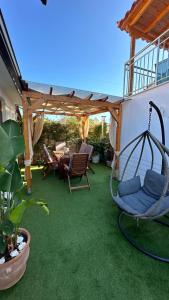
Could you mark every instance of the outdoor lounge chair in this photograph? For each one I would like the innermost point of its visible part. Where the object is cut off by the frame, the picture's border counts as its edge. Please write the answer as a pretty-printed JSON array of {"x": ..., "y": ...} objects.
[
  {"x": 147, "y": 201},
  {"x": 50, "y": 163},
  {"x": 77, "y": 168}
]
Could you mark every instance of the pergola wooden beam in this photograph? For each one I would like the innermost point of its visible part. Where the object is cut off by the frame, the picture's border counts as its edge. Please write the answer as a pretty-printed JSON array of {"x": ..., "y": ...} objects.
[
  {"x": 41, "y": 99},
  {"x": 27, "y": 147}
]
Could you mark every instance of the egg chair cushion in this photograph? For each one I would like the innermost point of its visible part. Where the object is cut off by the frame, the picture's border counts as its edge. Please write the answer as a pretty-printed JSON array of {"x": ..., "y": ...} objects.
[
  {"x": 137, "y": 203},
  {"x": 129, "y": 186},
  {"x": 153, "y": 184}
]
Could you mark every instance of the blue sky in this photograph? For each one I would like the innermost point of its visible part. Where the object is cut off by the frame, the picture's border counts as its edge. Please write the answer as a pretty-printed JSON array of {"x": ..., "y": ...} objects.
[{"x": 70, "y": 43}]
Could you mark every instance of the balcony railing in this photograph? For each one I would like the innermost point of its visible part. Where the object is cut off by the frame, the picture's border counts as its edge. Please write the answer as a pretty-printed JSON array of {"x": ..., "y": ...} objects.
[{"x": 148, "y": 68}]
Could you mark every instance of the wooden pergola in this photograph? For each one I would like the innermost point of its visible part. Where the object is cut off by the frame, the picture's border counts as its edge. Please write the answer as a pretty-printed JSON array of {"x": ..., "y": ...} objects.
[
  {"x": 147, "y": 19},
  {"x": 69, "y": 104}
]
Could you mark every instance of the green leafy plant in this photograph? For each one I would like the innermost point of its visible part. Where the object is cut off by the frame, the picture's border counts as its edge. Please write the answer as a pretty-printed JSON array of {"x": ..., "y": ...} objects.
[{"x": 12, "y": 206}]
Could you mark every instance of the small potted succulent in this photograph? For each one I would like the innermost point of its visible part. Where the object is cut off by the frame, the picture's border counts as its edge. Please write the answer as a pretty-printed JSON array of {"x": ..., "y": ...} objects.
[{"x": 14, "y": 241}]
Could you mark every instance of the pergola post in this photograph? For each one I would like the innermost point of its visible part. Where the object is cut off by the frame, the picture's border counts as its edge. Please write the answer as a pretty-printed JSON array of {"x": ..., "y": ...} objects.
[
  {"x": 118, "y": 129},
  {"x": 27, "y": 156},
  {"x": 117, "y": 116},
  {"x": 131, "y": 67}
]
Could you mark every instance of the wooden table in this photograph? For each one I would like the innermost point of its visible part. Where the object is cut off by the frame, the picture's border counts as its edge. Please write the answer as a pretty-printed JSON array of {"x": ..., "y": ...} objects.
[{"x": 62, "y": 160}]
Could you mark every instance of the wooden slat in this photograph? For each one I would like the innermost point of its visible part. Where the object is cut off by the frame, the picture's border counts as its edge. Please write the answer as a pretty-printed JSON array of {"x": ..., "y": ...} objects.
[
  {"x": 145, "y": 19},
  {"x": 157, "y": 19},
  {"x": 140, "y": 12}
]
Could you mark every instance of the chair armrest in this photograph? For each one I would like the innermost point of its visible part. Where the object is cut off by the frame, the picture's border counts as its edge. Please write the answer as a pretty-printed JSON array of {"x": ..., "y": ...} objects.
[
  {"x": 129, "y": 187},
  {"x": 66, "y": 167}
]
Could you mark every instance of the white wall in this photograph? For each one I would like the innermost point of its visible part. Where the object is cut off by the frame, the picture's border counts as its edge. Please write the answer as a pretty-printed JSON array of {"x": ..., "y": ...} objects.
[
  {"x": 8, "y": 93},
  {"x": 135, "y": 120}
]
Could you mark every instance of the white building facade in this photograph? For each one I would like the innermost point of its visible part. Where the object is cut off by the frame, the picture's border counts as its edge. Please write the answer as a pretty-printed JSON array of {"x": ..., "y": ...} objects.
[{"x": 10, "y": 84}]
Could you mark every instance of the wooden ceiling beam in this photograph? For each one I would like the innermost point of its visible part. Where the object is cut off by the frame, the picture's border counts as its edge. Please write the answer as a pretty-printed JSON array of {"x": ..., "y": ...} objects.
[
  {"x": 136, "y": 33},
  {"x": 157, "y": 19},
  {"x": 131, "y": 17},
  {"x": 140, "y": 12}
]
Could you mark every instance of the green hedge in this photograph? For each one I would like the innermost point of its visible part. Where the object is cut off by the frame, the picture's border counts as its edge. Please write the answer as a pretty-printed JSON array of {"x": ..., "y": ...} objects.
[{"x": 67, "y": 129}]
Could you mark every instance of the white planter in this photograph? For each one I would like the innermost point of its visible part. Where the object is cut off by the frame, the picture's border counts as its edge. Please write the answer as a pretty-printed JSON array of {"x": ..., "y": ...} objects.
[{"x": 96, "y": 159}]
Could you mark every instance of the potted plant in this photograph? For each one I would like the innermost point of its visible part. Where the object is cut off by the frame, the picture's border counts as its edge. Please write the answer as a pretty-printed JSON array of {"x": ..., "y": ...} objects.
[
  {"x": 95, "y": 157},
  {"x": 14, "y": 241}
]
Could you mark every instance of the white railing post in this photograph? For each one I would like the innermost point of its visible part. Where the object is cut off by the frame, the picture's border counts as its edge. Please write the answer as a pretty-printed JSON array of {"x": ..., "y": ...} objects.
[
  {"x": 157, "y": 62},
  {"x": 124, "y": 81},
  {"x": 141, "y": 71}
]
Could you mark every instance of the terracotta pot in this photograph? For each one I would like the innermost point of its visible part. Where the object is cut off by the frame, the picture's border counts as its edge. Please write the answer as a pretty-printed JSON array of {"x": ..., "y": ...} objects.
[{"x": 12, "y": 271}]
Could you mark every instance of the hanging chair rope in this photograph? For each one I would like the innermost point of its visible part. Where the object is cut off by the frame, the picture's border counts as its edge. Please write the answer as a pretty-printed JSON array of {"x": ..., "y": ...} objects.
[
  {"x": 134, "y": 148},
  {"x": 141, "y": 153}
]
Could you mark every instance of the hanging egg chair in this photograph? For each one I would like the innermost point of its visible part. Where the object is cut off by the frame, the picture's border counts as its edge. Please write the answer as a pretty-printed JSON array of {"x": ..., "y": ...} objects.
[{"x": 148, "y": 200}]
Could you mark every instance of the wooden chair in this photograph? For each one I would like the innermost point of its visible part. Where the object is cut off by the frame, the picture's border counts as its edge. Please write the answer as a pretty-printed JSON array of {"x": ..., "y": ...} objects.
[
  {"x": 77, "y": 168},
  {"x": 50, "y": 163},
  {"x": 86, "y": 148}
]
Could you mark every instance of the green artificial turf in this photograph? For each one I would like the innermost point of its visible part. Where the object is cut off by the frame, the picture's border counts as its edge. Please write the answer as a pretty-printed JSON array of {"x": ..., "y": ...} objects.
[{"x": 78, "y": 253}]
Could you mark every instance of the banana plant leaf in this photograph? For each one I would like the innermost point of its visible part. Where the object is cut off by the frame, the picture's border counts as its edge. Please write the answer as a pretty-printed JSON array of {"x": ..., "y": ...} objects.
[
  {"x": 16, "y": 139},
  {"x": 16, "y": 214},
  {"x": 6, "y": 149},
  {"x": 11, "y": 180}
]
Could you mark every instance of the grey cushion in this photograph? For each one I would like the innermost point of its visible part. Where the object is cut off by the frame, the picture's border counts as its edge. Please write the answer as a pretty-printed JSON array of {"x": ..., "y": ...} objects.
[
  {"x": 153, "y": 184},
  {"x": 129, "y": 187},
  {"x": 159, "y": 207},
  {"x": 137, "y": 203}
]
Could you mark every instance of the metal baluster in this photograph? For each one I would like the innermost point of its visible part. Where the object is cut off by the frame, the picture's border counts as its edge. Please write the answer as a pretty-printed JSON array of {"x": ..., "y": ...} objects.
[
  {"x": 152, "y": 65},
  {"x": 157, "y": 61},
  {"x": 148, "y": 68},
  {"x": 144, "y": 61},
  {"x": 136, "y": 76}
]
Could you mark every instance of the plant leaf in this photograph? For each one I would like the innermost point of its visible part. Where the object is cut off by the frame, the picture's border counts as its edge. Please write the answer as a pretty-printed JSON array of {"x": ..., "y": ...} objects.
[
  {"x": 12, "y": 129},
  {"x": 2, "y": 244},
  {"x": 7, "y": 227},
  {"x": 11, "y": 180},
  {"x": 6, "y": 150},
  {"x": 16, "y": 213},
  {"x": 18, "y": 145}
]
